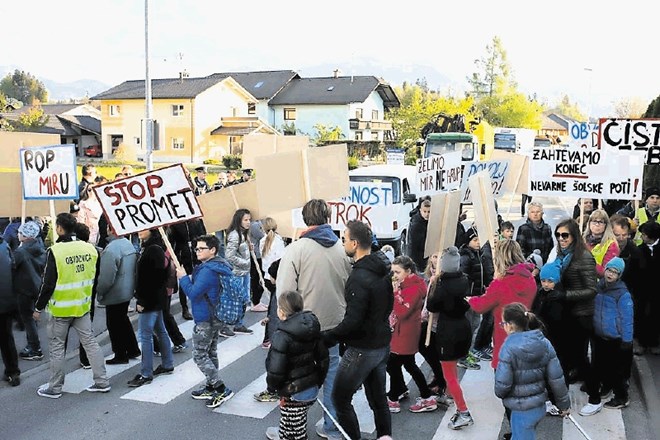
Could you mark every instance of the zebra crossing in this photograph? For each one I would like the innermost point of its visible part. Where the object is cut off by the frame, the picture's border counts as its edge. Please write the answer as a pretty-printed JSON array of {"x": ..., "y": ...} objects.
[{"x": 477, "y": 385}]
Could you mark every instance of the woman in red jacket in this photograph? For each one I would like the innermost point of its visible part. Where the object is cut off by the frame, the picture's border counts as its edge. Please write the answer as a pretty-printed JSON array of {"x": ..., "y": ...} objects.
[
  {"x": 513, "y": 282},
  {"x": 406, "y": 323}
]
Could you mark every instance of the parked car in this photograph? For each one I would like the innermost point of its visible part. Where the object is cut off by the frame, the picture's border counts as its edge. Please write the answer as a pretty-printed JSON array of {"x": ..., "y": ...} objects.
[{"x": 94, "y": 151}]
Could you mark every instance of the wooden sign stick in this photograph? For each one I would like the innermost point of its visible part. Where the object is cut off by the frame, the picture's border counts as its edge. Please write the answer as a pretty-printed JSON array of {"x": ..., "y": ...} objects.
[
  {"x": 23, "y": 202},
  {"x": 581, "y": 213},
  {"x": 51, "y": 206},
  {"x": 168, "y": 245}
]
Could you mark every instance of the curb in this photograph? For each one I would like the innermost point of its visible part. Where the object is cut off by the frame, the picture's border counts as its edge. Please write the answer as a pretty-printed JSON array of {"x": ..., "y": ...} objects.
[
  {"x": 102, "y": 338},
  {"x": 644, "y": 377}
]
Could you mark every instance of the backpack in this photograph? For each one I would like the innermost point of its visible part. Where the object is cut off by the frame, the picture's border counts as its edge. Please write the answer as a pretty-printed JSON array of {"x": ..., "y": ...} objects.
[
  {"x": 171, "y": 282},
  {"x": 231, "y": 306}
]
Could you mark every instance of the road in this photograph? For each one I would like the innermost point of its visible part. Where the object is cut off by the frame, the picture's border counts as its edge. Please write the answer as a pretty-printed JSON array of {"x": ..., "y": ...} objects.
[{"x": 164, "y": 409}]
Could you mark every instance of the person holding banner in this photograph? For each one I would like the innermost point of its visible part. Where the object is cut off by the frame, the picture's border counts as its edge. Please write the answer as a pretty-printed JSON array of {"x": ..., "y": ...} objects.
[
  {"x": 417, "y": 233},
  {"x": 70, "y": 262},
  {"x": 600, "y": 240},
  {"x": 238, "y": 253}
]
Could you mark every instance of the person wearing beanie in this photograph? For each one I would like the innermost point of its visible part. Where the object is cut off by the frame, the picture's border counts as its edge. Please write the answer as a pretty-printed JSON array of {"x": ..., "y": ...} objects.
[
  {"x": 612, "y": 342},
  {"x": 29, "y": 263},
  {"x": 453, "y": 333}
]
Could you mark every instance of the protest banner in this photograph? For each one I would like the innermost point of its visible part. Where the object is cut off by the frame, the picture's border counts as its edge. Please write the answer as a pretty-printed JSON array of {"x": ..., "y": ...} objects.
[
  {"x": 256, "y": 145},
  {"x": 12, "y": 141},
  {"x": 395, "y": 156},
  {"x": 516, "y": 179},
  {"x": 49, "y": 172},
  {"x": 635, "y": 136},
  {"x": 443, "y": 220},
  {"x": 485, "y": 214},
  {"x": 219, "y": 206},
  {"x": 289, "y": 180},
  {"x": 582, "y": 135},
  {"x": 498, "y": 171},
  {"x": 596, "y": 173},
  {"x": 12, "y": 202},
  {"x": 148, "y": 200},
  {"x": 439, "y": 173}
]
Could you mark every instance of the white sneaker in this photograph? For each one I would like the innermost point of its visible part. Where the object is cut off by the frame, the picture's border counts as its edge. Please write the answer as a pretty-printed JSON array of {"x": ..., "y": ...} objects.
[
  {"x": 273, "y": 433},
  {"x": 591, "y": 408}
]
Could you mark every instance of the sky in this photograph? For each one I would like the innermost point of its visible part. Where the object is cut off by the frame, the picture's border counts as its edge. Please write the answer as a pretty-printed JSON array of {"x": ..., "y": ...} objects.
[{"x": 550, "y": 45}]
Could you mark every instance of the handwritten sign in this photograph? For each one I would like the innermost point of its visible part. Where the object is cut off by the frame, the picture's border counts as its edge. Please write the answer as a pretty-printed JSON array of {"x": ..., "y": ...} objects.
[
  {"x": 148, "y": 200},
  {"x": 595, "y": 173},
  {"x": 636, "y": 136},
  {"x": 497, "y": 170},
  {"x": 582, "y": 135},
  {"x": 49, "y": 172},
  {"x": 439, "y": 173}
]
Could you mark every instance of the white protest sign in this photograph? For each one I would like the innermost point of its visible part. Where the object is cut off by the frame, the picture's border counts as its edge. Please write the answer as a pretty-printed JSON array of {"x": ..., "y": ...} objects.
[
  {"x": 582, "y": 135},
  {"x": 594, "y": 173},
  {"x": 439, "y": 173},
  {"x": 395, "y": 156},
  {"x": 635, "y": 136},
  {"x": 148, "y": 200},
  {"x": 497, "y": 169},
  {"x": 49, "y": 172}
]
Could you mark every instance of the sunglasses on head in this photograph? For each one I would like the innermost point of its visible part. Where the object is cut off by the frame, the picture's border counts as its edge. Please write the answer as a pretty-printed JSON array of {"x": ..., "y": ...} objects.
[{"x": 563, "y": 235}]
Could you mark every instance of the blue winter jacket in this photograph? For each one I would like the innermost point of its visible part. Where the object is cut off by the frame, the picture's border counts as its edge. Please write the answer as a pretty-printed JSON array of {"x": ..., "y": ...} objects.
[
  {"x": 204, "y": 287},
  {"x": 613, "y": 311},
  {"x": 527, "y": 363}
]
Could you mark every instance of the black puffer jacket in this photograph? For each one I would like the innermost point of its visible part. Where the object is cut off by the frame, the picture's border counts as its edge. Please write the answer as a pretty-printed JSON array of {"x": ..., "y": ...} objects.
[
  {"x": 417, "y": 240},
  {"x": 453, "y": 334},
  {"x": 297, "y": 359},
  {"x": 151, "y": 275},
  {"x": 478, "y": 266},
  {"x": 579, "y": 281},
  {"x": 30, "y": 258}
]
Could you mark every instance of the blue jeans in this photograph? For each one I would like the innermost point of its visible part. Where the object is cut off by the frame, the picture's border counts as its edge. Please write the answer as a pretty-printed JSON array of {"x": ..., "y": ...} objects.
[
  {"x": 523, "y": 423},
  {"x": 328, "y": 386},
  {"x": 246, "y": 298},
  {"x": 362, "y": 366},
  {"x": 148, "y": 324}
]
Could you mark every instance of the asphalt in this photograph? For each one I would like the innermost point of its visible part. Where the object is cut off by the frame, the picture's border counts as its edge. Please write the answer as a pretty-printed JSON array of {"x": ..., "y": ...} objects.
[{"x": 645, "y": 373}]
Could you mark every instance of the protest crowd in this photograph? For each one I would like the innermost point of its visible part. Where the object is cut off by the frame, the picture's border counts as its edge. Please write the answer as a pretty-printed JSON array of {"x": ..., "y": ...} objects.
[{"x": 547, "y": 308}]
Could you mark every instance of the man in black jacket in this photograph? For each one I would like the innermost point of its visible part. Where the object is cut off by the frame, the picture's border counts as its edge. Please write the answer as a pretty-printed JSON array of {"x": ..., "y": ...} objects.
[{"x": 366, "y": 333}]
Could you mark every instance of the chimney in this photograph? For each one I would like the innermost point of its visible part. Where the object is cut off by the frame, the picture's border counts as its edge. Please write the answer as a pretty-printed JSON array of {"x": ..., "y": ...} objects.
[{"x": 336, "y": 73}]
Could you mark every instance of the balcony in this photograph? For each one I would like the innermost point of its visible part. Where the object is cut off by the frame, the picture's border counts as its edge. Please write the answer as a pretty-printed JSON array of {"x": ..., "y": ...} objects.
[{"x": 357, "y": 124}]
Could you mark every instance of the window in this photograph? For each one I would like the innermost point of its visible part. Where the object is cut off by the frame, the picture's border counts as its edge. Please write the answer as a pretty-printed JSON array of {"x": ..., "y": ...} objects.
[
  {"x": 358, "y": 135},
  {"x": 136, "y": 140},
  {"x": 113, "y": 110},
  {"x": 177, "y": 144},
  {"x": 374, "y": 115},
  {"x": 359, "y": 113},
  {"x": 177, "y": 110},
  {"x": 374, "y": 135},
  {"x": 115, "y": 141},
  {"x": 252, "y": 108},
  {"x": 289, "y": 114}
]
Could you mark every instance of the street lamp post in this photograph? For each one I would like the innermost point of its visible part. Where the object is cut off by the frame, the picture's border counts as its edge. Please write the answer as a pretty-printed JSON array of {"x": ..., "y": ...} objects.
[
  {"x": 591, "y": 72},
  {"x": 148, "y": 122}
]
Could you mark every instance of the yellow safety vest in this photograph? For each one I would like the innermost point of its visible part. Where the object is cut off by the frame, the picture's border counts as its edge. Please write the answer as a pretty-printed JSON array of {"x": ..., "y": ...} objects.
[
  {"x": 76, "y": 269},
  {"x": 600, "y": 250},
  {"x": 643, "y": 218}
]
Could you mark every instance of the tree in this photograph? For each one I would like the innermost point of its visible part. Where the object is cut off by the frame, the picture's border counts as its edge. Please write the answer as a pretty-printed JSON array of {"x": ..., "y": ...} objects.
[
  {"x": 652, "y": 172},
  {"x": 653, "y": 110},
  {"x": 631, "y": 108},
  {"x": 32, "y": 119},
  {"x": 3, "y": 102},
  {"x": 24, "y": 87},
  {"x": 491, "y": 68},
  {"x": 570, "y": 110},
  {"x": 325, "y": 134}
]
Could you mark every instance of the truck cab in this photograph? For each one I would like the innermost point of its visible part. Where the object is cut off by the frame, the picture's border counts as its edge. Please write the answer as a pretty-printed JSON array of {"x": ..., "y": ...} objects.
[
  {"x": 441, "y": 143},
  {"x": 382, "y": 197}
]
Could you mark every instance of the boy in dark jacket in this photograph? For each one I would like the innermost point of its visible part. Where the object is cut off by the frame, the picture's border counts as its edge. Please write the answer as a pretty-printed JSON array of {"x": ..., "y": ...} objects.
[
  {"x": 7, "y": 308},
  {"x": 296, "y": 365}
]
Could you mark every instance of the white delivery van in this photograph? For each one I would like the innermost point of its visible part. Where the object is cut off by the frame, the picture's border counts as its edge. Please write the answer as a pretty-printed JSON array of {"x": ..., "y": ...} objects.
[{"x": 381, "y": 196}]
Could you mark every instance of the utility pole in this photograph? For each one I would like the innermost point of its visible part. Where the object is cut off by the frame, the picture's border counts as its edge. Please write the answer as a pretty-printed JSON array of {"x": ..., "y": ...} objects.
[
  {"x": 591, "y": 73},
  {"x": 148, "y": 122}
]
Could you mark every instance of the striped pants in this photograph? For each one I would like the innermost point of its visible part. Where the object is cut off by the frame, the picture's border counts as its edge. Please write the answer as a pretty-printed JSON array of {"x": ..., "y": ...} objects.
[{"x": 293, "y": 419}]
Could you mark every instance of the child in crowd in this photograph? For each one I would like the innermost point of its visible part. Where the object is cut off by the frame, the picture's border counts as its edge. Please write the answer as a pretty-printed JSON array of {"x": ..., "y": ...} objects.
[
  {"x": 527, "y": 366},
  {"x": 405, "y": 320},
  {"x": 296, "y": 366},
  {"x": 612, "y": 345},
  {"x": 506, "y": 230},
  {"x": 453, "y": 336}
]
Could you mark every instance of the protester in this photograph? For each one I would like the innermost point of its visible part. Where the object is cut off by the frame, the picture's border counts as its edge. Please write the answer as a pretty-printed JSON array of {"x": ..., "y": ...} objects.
[
  {"x": 182, "y": 236},
  {"x": 589, "y": 206},
  {"x": 649, "y": 300},
  {"x": 8, "y": 307},
  {"x": 507, "y": 230},
  {"x": 316, "y": 265},
  {"x": 527, "y": 366},
  {"x": 600, "y": 240},
  {"x": 366, "y": 332},
  {"x": 535, "y": 233},
  {"x": 203, "y": 289},
  {"x": 90, "y": 212},
  {"x": 237, "y": 253},
  {"x": 417, "y": 233},
  {"x": 650, "y": 211},
  {"x": 296, "y": 366},
  {"x": 272, "y": 249},
  {"x": 255, "y": 234}
]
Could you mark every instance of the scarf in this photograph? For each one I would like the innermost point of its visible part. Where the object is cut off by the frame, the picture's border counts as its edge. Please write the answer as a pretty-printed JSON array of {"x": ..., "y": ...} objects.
[
  {"x": 565, "y": 256},
  {"x": 592, "y": 239}
]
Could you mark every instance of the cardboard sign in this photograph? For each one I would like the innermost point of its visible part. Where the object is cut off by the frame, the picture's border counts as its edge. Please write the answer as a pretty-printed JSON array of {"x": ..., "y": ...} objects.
[
  {"x": 443, "y": 220},
  {"x": 485, "y": 215},
  {"x": 596, "y": 173},
  {"x": 49, "y": 172},
  {"x": 497, "y": 169},
  {"x": 11, "y": 201},
  {"x": 148, "y": 200},
  {"x": 582, "y": 135},
  {"x": 219, "y": 206},
  {"x": 439, "y": 173},
  {"x": 634, "y": 136},
  {"x": 12, "y": 141},
  {"x": 289, "y": 180},
  {"x": 257, "y": 145}
]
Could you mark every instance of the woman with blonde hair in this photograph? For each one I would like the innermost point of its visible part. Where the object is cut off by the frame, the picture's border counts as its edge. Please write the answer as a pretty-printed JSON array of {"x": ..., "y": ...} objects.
[
  {"x": 600, "y": 240},
  {"x": 272, "y": 248}
]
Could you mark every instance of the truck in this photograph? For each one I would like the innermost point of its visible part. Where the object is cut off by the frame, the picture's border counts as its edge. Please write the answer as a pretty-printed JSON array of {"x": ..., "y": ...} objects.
[
  {"x": 447, "y": 133},
  {"x": 515, "y": 140}
]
